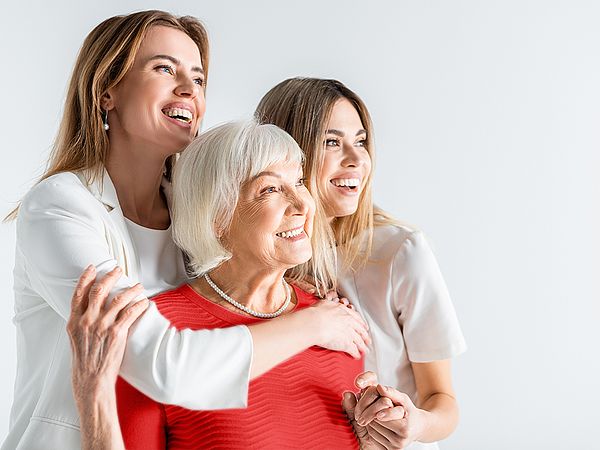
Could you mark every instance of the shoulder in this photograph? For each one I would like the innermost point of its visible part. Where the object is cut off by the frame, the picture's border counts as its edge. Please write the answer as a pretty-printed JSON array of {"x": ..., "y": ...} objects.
[
  {"x": 407, "y": 249},
  {"x": 62, "y": 189}
]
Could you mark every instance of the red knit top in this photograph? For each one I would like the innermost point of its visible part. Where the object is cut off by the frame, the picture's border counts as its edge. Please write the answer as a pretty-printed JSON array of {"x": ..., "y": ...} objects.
[{"x": 296, "y": 405}]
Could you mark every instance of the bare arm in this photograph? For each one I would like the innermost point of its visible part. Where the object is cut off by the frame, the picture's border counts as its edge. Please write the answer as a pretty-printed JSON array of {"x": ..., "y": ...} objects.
[
  {"x": 393, "y": 421},
  {"x": 328, "y": 324}
]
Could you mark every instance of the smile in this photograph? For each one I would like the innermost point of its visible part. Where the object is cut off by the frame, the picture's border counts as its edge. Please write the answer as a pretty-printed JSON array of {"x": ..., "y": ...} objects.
[
  {"x": 349, "y": 183},
  {"x": 180, "y": 114},
  {"x": 291, "y": 233}
]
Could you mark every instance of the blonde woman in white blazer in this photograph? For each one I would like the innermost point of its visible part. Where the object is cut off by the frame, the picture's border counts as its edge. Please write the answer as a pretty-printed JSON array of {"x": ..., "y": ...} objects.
[{"x": 135, "y": 99}]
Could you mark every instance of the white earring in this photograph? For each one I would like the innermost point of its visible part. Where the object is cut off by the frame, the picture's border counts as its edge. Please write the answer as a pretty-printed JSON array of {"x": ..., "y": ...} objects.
[{"x": 105, "y": 120}]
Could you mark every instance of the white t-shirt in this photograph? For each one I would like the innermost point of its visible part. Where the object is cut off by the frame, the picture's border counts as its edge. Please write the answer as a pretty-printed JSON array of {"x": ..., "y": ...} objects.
[
  {"x": 160, "y": 261},
  {"x": 403, "y": 297}
]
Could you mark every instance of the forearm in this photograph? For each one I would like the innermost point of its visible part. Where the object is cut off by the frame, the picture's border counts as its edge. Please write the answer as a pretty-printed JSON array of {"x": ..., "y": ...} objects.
[
  {"x": 99, "y": 422},
  {"x": 440, "y": 417},
  {"x": 279, "y": 339}
]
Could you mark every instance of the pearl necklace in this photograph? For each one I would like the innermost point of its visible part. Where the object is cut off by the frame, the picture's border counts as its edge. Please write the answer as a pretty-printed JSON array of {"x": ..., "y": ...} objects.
[{"x": 228, "y": 299}]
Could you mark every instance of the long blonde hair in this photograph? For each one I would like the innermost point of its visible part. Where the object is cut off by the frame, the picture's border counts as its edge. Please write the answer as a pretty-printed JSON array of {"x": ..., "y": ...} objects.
[
  {"x": 107, "y": 54},
  {"x": 302, "y": 107}
]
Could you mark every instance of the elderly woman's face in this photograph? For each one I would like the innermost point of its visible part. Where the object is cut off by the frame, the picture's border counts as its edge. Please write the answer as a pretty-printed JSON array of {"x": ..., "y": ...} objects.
[{"x": 273, "y": 219}]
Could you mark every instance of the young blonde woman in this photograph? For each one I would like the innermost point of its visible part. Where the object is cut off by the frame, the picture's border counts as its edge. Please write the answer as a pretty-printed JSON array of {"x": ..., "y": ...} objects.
[
  {"x": 136, "y": 98},
  {"x": 386, "y": 269}
]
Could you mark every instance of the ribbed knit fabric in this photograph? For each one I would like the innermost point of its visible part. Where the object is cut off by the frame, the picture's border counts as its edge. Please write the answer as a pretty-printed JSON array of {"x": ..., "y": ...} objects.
[{"x": 296, "y": 405}]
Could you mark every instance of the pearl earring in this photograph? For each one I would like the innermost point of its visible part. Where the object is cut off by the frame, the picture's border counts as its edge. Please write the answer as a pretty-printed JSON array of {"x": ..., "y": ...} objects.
[{"x": 105, "y": 120}]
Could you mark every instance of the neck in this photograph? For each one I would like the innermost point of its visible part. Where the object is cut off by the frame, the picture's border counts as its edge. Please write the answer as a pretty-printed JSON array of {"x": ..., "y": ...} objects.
[
  {"x": 136, "y": 173},
  {"x": 260, "y": 290}
]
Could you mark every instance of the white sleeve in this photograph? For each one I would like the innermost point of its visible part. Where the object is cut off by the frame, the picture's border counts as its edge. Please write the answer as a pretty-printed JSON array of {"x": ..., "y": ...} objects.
[
  {"x": 59, "y": 233},
  {"x": 426, "y": 315}
]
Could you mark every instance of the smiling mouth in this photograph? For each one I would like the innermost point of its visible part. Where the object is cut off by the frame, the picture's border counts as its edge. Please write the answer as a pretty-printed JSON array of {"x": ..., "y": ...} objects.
[
  {"x": 291, "y": 233},
  {"x": 182, "y": 115},
  {"x": 350, "y": 184}
]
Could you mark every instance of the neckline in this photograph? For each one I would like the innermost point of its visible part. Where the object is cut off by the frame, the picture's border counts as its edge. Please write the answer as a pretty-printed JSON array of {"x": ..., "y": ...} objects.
[{"x": 146, "y": 229}]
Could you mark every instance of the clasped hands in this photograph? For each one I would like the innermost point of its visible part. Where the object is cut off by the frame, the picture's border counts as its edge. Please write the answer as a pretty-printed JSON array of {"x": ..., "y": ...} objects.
[{"x": 382, "y": 417}]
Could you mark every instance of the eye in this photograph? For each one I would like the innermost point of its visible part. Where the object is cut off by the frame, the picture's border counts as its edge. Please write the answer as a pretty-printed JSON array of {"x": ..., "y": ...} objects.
[
  {"x": 361, "y": 143},
  {"x": 332, "y": 142},
  {"x": 301, "y": 182},
  {"x": 199, "y": 81},
  {"x": 269, "y": 190},
  {"x": 166, "y": 69}
]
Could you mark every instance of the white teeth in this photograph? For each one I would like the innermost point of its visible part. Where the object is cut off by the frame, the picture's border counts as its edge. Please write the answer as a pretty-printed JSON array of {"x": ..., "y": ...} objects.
[
  {"x": 350, "y": 182},
  {"x": 290, "y": 234},
  {"x": 179, "y": 113}
]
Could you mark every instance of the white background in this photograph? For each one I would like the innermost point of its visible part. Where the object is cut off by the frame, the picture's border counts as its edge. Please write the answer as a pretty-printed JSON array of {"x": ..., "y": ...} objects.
[{"x": 487, "y": 119}]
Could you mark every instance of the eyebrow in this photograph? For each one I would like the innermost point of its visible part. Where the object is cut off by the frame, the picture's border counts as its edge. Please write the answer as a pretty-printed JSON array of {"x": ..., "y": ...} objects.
[
  {"x": 341, "y": 133},
  {"x": 267, "y": 173},
  {"x": 176, "y": 62}
]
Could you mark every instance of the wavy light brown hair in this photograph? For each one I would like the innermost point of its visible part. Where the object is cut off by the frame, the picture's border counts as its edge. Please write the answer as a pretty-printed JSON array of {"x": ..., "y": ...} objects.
[
  {"x": 107, "y": 54},
  {"x": 302, "y": 107}
]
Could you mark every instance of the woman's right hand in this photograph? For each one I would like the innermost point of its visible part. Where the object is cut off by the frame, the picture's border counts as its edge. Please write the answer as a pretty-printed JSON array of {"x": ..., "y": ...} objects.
[
  {"x": 339, "y": 327},
  {"x": 98, "y": 333}
]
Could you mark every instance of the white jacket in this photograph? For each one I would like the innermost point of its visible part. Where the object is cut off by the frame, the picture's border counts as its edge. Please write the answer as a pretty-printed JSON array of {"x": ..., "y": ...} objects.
[{"x": 63, "y": 226}]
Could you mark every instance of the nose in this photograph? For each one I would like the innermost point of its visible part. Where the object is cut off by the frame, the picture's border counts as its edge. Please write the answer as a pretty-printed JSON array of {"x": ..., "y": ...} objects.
[
  {"x": 186, "y": 87},
  {"x": 353, "y": 156},
  {"x": 301, "y": 203}
]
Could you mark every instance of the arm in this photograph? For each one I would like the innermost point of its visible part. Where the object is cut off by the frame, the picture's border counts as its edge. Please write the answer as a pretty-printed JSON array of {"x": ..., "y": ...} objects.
[
  {"x": 98, "y": 335},
  {"x": 394, "y": 421},
  {"x": 61, "y": 230}
]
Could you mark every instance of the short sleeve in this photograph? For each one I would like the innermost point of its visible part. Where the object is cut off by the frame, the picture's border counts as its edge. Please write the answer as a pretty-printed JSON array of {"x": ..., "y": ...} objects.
[{"x": 426, "y": 314}]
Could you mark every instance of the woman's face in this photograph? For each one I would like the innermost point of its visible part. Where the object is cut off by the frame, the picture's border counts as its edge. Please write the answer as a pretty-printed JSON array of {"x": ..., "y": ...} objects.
[
  {"x": 160, "y": 101},
  {"x": 347, "y": 163},
  {"x": 273, "y": 219}
]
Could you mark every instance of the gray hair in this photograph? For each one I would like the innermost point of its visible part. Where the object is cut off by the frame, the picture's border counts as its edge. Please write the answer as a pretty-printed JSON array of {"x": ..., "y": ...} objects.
[{"x": 207, "y": 181}]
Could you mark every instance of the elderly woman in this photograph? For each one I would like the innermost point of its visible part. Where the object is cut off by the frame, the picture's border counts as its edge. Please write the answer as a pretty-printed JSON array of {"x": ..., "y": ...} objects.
[{"x": 244, "y": 217}]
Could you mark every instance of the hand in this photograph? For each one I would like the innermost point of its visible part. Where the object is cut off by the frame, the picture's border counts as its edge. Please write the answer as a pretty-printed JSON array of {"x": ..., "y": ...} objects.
[
  {"x": 390, "y": 417},
  {"x": 365, "y": 441},
  {"x": 98, "y": 333},
  {"x": 339, "y": 328}
]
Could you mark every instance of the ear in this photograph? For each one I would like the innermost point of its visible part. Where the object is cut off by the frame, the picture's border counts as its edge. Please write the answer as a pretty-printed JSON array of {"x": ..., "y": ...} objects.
[{"x": 106, "y": 102}]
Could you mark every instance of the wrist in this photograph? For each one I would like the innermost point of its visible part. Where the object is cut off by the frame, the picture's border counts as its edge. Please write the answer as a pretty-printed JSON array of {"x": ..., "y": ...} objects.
[
  {"x": 423, "y": 423},
  {"x": 306, "y": 322}
]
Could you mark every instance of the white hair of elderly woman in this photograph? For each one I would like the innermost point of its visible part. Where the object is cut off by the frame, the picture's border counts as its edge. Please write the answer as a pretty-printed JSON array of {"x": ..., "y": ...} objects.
[{"x": 207, "y": 181}]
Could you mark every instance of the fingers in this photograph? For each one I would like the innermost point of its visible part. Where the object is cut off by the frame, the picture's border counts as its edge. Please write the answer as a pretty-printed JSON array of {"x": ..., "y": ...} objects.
[
  {"x": 399, "y": 398},
  {"x": 369, "y": 414},
  {"x": 388, "y": 415},
  {"x": 349, "y": 403},
  {"x": 378, "y": 437},
  {"x": 131, "y": 314},
  {"x": 391, "y": 439},
  {"x": 367, "y": 397},
  {"x": 121, "y": 301},
  {"x": 80, "y": 295},
  {"x": 366, "y": 379},
  {"x": 100, "y": 289}
]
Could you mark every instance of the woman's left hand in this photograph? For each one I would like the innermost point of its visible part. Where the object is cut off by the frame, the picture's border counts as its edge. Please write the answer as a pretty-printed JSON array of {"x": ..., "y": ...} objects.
[{"x": 393, "y": 427}]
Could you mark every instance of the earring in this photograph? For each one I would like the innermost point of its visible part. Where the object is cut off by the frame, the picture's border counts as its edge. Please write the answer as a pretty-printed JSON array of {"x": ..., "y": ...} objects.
[{"x": 105, "y": 120}]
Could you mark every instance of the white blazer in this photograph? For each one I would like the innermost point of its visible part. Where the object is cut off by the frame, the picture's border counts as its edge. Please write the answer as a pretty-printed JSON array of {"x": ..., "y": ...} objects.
[{"x": 64, "y": 225}]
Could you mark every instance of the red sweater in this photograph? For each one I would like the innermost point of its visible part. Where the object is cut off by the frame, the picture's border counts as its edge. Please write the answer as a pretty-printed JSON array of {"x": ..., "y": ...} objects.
[{"x": 296, "y": 405}]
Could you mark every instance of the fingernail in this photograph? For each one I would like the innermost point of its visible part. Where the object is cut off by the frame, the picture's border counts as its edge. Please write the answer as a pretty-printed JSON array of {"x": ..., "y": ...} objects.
[
  {"x": 90, "y": 268},
  {"x": 380, "y": 415},
  {"x": 360, "y": 383}
]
